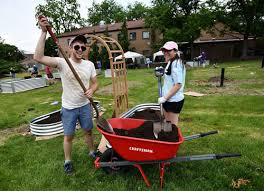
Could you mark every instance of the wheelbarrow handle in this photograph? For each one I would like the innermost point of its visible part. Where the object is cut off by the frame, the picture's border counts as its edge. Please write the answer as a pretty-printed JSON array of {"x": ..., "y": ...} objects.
[
  {"x": 208, "y": 133},
  {"x": 227, "y": 155},
  {"x": 99, "y": 164},
  {"x": 199, "y": 135}
]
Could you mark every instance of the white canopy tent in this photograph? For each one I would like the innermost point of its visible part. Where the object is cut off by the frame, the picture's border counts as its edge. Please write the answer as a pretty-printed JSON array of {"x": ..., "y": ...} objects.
[
  {"x": 129, "y": 54},
  {"x": 157, "y": 54}
]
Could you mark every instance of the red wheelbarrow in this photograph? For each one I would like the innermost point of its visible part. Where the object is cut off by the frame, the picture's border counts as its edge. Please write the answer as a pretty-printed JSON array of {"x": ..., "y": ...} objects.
[{"x": 127, "y": 151}]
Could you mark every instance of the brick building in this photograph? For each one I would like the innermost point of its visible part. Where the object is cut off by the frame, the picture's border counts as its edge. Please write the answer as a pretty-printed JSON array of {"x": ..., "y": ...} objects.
[
  {"x": 218, "y": 45},
  {"x": 222, "y": 46},
  {"x": 138, "y": 34}
]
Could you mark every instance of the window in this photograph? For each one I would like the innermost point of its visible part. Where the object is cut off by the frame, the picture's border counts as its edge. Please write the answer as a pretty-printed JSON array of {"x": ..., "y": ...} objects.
[
  {"x": 132, "y": 36},
  {"x": 145, "y": 35}
]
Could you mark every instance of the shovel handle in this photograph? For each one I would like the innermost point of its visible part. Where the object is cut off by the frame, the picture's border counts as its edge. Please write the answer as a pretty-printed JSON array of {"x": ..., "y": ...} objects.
[{"x": 54, "y": 38}]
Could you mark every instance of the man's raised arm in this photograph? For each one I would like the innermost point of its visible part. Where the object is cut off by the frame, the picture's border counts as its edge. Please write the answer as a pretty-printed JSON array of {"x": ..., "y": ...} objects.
[{"x": 39, "y": 52}]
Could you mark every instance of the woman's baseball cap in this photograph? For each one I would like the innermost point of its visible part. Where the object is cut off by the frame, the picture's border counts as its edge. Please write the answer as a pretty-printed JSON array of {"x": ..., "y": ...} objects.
[
  {"x": 170, "y": 45},
  {"x": 78, "y": 38}
]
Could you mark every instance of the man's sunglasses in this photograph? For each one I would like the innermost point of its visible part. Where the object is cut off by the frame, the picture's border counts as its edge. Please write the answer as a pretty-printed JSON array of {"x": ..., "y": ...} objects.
[{"x": 77, "y": 47}]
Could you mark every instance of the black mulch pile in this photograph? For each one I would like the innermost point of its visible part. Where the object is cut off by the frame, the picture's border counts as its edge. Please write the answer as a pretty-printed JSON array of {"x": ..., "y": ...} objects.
[
  {"x": 147, "y": 114},
  {"x": 145, "y": 131},
  {"x": 170, "y": 136},
  {"x": 53, "y": 118}
]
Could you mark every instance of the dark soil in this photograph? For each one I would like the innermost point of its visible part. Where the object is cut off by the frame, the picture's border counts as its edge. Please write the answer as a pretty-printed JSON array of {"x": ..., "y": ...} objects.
[
  {"x": 145, "y": 131},
  {"x": 53, "y": 118},
  {"x": 148, "y": 114},
  {"x": 171, "y": 136}
]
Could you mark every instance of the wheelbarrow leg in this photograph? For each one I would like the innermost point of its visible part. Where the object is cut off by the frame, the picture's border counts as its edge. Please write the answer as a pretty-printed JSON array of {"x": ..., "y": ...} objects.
[
  {"x": 143, "y": 174},
  {"x": 162, "y": 172}
]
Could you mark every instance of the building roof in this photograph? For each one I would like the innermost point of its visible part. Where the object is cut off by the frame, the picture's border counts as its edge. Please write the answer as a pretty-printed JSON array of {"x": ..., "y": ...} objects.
[
  {"x": 28, "y": 59},
  {"x": 101, "y": 28},
  {"x": 219, "y": 32}
]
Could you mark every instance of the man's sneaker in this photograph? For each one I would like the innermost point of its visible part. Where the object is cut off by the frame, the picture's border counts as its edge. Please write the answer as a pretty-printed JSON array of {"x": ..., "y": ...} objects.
[
  {"x": 98, "y": 153},
  {"x": 95, "y": 154},
  {"x": 68, "y": 168},
  {"x": 92, "y": 154}
]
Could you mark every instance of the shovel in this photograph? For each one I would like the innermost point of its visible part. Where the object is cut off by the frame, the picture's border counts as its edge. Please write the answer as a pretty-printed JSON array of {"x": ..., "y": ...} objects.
[
  {"x": 101, "y": 122},
  {"x": 159, "y": 72}
]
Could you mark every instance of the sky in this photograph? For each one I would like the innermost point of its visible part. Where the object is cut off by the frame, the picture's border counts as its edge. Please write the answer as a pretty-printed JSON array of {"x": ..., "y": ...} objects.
[{"x": 18, "y": 23}]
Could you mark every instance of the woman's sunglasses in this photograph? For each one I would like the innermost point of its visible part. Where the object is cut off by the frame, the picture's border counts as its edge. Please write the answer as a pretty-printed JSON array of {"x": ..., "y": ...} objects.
[
  {"x": 77, "y": 47},
  {"x": 165, "y": 51}
]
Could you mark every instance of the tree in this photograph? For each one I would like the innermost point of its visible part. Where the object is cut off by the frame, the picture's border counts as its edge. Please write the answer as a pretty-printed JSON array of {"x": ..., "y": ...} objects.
[
  {"x": 51, "y": 48},
  {"x": 136, "y": 11},
  {"x": 179, "y": 20},
  {"x": 93, "y": 56},
  {"x": 108, "y": 11},
  {"x": 63, "y": 14},
  {"x": 1, "y": 40},
  {"x": 123, "y": 38},
  {"x": 103, "y": 55},
  {"x": 10, "y": 53},
  {"x": 160, "y": 16},
  {"x": 9, "y": 57},
  {"x": 245, "y": 17},
  {"x": 6, "y": 65}
]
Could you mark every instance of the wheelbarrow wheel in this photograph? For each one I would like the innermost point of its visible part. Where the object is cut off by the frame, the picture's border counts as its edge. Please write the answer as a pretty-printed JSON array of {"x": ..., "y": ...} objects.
[{"x": 111, "y": 156}]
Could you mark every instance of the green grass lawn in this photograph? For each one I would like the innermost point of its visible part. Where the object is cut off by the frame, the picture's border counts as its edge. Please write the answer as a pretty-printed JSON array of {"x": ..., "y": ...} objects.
[{"x": 235, "y": 110}]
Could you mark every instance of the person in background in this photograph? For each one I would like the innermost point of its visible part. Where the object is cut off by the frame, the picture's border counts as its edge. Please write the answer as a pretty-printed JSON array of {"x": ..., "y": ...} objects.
[
  {"x": 34, "y": 71},
  {"x": 49, "y": 74},
  {"x": 75, "y": 105},
  {"x": 202, "y": 58},
  {"x": 174, "y": 79},
  {"x": 12, "y": 72}
]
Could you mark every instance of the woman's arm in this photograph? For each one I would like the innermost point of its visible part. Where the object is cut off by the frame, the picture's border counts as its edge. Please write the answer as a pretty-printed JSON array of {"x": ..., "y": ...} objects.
[{"x": 173, "y": 91}]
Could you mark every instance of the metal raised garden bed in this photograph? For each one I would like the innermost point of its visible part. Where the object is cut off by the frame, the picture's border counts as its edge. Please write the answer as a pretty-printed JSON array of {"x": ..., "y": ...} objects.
[{"x": 21, "y": 85}]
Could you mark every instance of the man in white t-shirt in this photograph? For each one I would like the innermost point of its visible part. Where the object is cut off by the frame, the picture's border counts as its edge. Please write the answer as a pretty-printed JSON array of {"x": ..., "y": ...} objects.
[{"x": 75, "y": 105}]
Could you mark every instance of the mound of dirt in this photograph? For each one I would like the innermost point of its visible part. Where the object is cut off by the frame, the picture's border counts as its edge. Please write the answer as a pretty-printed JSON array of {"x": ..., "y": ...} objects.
[
  {"x": 146, "y": 131},
  {"x": 147, "y": 114},
  {"x": 53, "y": 118}
]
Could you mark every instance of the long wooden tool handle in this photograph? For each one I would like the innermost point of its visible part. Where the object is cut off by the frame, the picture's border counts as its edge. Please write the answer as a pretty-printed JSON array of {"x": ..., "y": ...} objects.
[{"x": 54, "y": 38}]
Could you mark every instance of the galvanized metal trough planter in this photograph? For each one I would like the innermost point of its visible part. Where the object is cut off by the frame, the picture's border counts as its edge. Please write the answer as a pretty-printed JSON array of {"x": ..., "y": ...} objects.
[
  {"x": 21, "y": 85},
  {"x": 51, "y": 124}
]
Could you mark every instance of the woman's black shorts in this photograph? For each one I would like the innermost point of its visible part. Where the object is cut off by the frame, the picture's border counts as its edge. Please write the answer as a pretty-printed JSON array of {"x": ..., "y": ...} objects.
[{"x": 174, "y": 107}]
